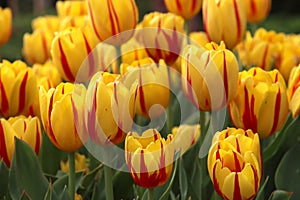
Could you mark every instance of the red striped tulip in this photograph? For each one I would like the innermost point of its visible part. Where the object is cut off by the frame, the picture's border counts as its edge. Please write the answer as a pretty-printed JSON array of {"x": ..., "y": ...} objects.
[
  {"x": 6, "y": 25},
  {"x": 26, "y": 129},
  {"x": 260, "y": 92},
  {"x": 234, "y": 164},
  {"x": 149, "y": 158},
  {"x": 206, "y": 69},
  {"x": 257, "y": 10},
  {"x": 74, "y": 21},
  {"x": 184, "y": 8},
  {"x": 58, "y": 113},
  {"x": 71, "y": 8},
  {"x": 294, "y": 91},
  {"x": 112, "y": 17},
  {"x": 225, "y": 20},
  {"x": 17, "y": 87}
]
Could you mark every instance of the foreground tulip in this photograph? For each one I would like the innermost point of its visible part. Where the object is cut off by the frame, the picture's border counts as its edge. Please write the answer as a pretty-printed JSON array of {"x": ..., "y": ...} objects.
[
  {"x": 109, "y": 18},
  {"x": 57, "y": 113},
  {"x": 234, "y": 164},
  {"x": 71, "y": 8},
  {"x": 26, "y": 129},
  {"x": 202, "y": 68},
  {"x": 294, "y": 91},
  {"x": 257, "y": 10},
  {"x": 6, "y": 25},
  {"x": 149, "y": 158},
  {"x": 260, "y": 92},
  {"x": 152, "y": 92},
  {"x": 17, "y": 87},
  {"x": 185, "y": 8},
  {"x": 225, "y": 20}
]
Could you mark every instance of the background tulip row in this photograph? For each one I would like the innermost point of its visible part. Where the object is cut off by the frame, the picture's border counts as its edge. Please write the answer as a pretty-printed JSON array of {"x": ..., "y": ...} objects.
[{"x": 108, "y": 104}]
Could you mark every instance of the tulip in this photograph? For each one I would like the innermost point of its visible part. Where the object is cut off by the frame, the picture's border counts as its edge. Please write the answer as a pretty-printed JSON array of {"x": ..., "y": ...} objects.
[
  {"x": 234, "y": 164},
  {"x": 17, "y": 87},
  {"x": 149, "y": 158},
  {"x": 58, "y": 116},
  {"x": 109, "y": 114},
  {"x": 206, "y": 69},
  {"x": 199, "y": 38},
  {"x": 49, "y": 22},
  {"x": 70, "y": 48},
  {"x": 184, "y": 8},
  {"x": 6, "y": 25},
  {"x": 225, "y": 20},
  {"x": 36, "y": 46},
  {"x": 109, "y": 18},
  {"x": 294, "y": 91},
  {"x": 257, "y": 10},
  {"x": 71, "y": 8},
  {"x": 74, "y": 21},
  {"x": 133, "y": 50},
  {"x": 260, "y": 92},
  {"x": 151, "y": 84},
  {"x": 26, "y": 129},
  {"x": 162, "y": 35}
]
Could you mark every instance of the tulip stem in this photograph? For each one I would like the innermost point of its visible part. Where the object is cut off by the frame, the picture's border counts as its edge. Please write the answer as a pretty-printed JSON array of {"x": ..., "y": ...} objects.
[
  {"x": 108, "y": 183},
  {"x": 187, "y": 30},
  {"x": 119, "y": 57},
  {"x": 71, "y": 157},
  {"x": 150, "y": 193}
]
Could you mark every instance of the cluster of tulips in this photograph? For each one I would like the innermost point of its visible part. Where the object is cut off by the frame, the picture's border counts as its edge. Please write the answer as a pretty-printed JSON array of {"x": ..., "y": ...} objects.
[{"x": 98, "y": 81}]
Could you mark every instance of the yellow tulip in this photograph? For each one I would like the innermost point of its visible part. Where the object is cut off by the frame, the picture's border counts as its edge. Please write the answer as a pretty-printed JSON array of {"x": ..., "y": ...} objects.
[
  {"x": 234, "y": 164},
  {"x": 71, "y": 8},
  {"x": 133, "y": 50},
  {"x": 59, "y": 116},
  {"x": 151, "y": 83},
  {"x": 17, "y": 87},
  {"x": 149, "y": 158},
  {"x": 109, "y": 18},
  {"x": 26, "y": 129},
  {"x": 199, "y": 38},
  {"x": 207, "y": 70},
  {"x": 257, "y": 10},
  {"x": 74, "y": 21},
  {"x": 80, "y": 164},
  {"x": 49, "y": 22},
  {"x": 294, "y": 91},
  {"x": 6, "y": 25},
  {"x": 225, "y": 20},
  {"x": 260, "y": 92},
  {"x": 185, "y": 8}
]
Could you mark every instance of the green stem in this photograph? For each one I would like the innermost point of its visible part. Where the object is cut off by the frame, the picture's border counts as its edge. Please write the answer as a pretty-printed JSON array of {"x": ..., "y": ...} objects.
[
  {"x": 71, "y": 157},
  {"x": 108, "y": 183},
  {"x": 187, "y": 30},
  {"x": 202, "y": 160},
  {"x": 253, "y": 27},
  {"x": 119, "y": 57},
  {"x": 150, "y": 193}
]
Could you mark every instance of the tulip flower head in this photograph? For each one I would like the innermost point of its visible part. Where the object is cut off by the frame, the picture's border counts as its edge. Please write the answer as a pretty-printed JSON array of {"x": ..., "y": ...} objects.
[
  {"x": 184, "y": 8},
  {"x": 294, "y": 91},
  {"x": 49, "y": 22},
  {"x": 6, "y": 25},
  {"x": 71, "y": 8},
  {"x": 257, "y": 10}
]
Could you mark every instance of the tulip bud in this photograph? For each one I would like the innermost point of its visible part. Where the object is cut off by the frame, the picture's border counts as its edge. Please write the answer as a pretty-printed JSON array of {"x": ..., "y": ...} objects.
[
  {"x": 149, "y": 158},
  {"x": 17, "y": 87},
  {"x": 234, "y": 164},
  {"x": 151, "y": 82},
  {"x": 184, "y": 8},
  {"x": 257, "y": 10},
  {"x": 294, "y": 91},
  {"x": 162, "y": 35},
  {"x": 58, "y": 116},
  {"x": 205, "y": 70},
  {"x": 71, "y": 8},
  {"x": 109, "y": 18},
  {"x": 260, "y": 92},
  {"x": 36, "y": 46},
  {"x": 74, "y": 21},
  {"x": 6, "y": 25},
  {"x": 225, "y": 20},
  {"x": 48, "y": 22}
]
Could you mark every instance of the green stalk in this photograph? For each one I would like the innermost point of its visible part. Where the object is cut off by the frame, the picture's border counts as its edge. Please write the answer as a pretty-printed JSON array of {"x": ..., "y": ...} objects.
[
  {"x": 119, "y": 57},
  {"x": 71, "y": 157},
  {"x": 187, "y": 30},
  {"x": 108, "y": 183},
  {"x": 150, "y": 193}
]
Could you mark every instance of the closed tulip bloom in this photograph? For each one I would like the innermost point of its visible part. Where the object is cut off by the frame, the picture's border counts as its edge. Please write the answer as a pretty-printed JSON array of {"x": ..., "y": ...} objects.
[
  {"x": 225, "y": 20},
  {"x": 149, "y": 157},
  {"x": 49, "y": 22},
  {"x": 58, "y": 113},
  {"x": 234, "y": 164},
  {"x": 205, "y": 69},
  {"x": 257, "y": 10},
  {"x": 74, "y": 21},
  {"x": 109, "y": 18},
  {"x": 7, "y": 138},
  {"x": 294, "y": 91},
  {"x": 151, "y": 83},
  {"x": 70, "y": 48},
  {"x": 36, "y": 46},
  {"x": 71, "y": 8},
  {"x": 185, "y": 8},
  {"x": 260, "y": 92},
  {"x": 162, "y": 35},
  {"x": 17, "y": 87},
  {"x": 6, "y": 25},
  {"x": 109, "y": 114}
]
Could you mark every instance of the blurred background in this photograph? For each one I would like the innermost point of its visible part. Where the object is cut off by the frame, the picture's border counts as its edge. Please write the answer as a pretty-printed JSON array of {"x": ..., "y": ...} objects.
[{"x": 284, "y": 17}]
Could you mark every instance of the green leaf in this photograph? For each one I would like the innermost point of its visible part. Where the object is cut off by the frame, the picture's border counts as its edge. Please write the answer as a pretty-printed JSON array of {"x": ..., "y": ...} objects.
[
  {"x": 287, "y": 175},
  {"x": 280, "y": 195},
  {"x": 260, "y": 193},
  {"x": 182, "y": 180},
  {"x": 122, "y": 190},
  {"x": 166, "y": 194},
  {"x": 26, "y": 175},
  {"x": 4, "y": 173}
]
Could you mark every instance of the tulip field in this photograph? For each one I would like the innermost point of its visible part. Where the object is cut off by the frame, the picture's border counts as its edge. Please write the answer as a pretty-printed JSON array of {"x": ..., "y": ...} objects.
[{"x": 108, "y": 103}]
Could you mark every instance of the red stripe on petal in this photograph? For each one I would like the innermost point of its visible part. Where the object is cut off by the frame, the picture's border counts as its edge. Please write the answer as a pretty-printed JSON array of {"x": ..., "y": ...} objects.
[
  {"x": 215, "y": 181},
  {"x": 38, "y": 139},
  {"x": 142, "y": 95},
  {"x": 48, "y": 126},
  {"x": 253, "y": 7},
  {"x": 65, "y": 64},
  {"x": 193, "y": 5},
  {"x": 264, "y": 59},
  {"x": 4, "y": 101},
  {"x": 225, "y": 78},
  {"x": 22, "y": 93},
  {"x": 238, "y": 20},
  {"x": 179, "y": 6},
  {"x": 44, "y": 44},
  {"x": 237, "y": 190},
  {"x": 276, "y": 111},
  {"x": 249, "y": 118},
  {"x": 3, "y": 147},
  {"x": 93, "y": 21}
]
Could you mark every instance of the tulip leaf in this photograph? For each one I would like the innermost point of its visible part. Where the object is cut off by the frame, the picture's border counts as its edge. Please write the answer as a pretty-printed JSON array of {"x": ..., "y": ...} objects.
[
  {"x": 260, "y": 193},
  {"x": 4, "y": 172},
  {"x": 166, "y": 194},
  {"x": 122, "y": 190},
  {"x": 287, "y": 175},
  {"x": 182, "y": 180},
  {"x": 280, "y": 195},
  {"x": 26, "y": 176}
]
